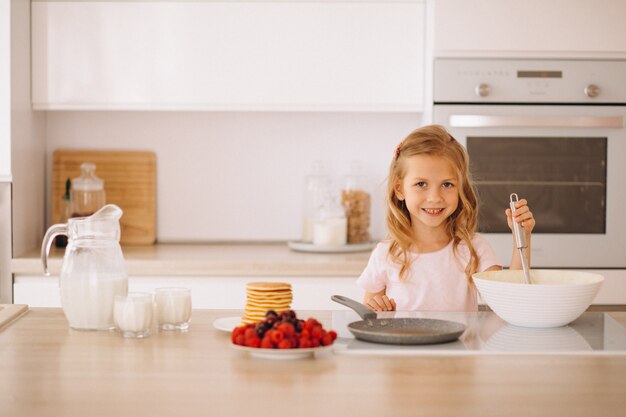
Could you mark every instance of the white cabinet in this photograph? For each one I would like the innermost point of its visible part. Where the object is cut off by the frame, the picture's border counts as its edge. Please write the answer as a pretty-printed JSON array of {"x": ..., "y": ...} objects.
[
  {"x": 530, "y": 27},
  {"x": 310, "y": 293},
  {"x": 224, "y": 55}
]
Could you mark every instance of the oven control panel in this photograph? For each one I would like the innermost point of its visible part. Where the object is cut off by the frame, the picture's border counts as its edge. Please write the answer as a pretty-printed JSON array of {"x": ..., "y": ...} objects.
[{"x": 469, "y": 80}]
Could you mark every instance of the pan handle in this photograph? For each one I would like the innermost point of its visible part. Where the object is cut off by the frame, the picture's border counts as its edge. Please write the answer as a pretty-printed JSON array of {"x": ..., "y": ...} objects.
[{"x": 361, "y": 309}]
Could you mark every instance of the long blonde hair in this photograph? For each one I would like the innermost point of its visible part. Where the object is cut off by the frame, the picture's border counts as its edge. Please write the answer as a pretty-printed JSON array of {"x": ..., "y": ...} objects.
[{"x": 432, "y": 140}]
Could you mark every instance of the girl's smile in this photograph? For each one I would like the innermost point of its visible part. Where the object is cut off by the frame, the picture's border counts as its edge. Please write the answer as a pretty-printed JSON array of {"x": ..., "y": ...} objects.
[{"x": 433, "y": 212}]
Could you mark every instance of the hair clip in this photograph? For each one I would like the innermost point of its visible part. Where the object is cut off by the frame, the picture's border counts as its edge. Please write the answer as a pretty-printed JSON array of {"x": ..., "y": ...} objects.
[{"x": 397, "y": 151}]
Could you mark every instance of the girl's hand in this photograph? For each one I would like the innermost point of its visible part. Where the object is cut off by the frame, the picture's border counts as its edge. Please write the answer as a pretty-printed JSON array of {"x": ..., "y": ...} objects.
[
  {"x": 380, "y": 302},
  {"x": 523, "y": 216}
]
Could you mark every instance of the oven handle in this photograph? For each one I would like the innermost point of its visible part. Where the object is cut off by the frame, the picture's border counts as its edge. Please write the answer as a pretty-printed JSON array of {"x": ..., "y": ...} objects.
[{"x": 472, "y": 120}]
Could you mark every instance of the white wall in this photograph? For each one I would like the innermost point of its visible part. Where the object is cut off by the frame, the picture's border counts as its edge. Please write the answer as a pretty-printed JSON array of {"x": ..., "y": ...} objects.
[{"x": 239, "y": 175}]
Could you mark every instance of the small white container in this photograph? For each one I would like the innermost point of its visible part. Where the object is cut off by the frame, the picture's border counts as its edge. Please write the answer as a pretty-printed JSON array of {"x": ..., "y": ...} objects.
[
  {"x": 331, "y": 226},
  {"x": 132, "y": 314},
  {"x": 173, "y": 308},
  {"x": 330, "y": 232}
]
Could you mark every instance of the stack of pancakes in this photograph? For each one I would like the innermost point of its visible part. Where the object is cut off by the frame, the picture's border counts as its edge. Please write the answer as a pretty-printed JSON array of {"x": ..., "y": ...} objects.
[{"x": 263, "y": 296}]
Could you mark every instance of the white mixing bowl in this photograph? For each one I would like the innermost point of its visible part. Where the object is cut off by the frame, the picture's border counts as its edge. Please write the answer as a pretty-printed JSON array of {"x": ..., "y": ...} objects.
[{"x": 555, "y": 297}]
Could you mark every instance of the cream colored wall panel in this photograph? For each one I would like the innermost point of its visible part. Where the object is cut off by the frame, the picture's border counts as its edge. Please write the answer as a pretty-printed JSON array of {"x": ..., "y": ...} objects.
[{"x": 205, "y": 55}]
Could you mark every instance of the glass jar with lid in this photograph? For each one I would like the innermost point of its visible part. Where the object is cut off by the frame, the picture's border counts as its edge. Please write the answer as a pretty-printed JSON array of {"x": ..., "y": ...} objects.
[
  {"x": 356, "y": 199},
  {"x": 317, "y": 184},
  {"x": 87, "y": 194},
  {"x": 330, "y": 227}
]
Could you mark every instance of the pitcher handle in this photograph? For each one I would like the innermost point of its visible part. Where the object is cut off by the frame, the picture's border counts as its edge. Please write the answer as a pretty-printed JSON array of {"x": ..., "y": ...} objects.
[{"x": 53, "y": 231}]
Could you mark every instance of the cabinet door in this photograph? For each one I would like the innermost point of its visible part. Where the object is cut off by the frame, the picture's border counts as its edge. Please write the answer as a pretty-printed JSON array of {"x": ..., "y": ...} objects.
[
  {"x": 222, "y": 55},
  {"x": 309, "y": 293},
  {"x": 530, "y": 27}
]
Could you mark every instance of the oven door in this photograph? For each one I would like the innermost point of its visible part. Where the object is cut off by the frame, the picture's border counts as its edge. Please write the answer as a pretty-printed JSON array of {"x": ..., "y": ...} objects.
[{"x": 566, "y": 160}]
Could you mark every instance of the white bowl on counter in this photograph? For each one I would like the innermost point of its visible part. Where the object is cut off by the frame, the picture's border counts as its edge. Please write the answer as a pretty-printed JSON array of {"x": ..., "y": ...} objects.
[{"x": 555, "y": 297}]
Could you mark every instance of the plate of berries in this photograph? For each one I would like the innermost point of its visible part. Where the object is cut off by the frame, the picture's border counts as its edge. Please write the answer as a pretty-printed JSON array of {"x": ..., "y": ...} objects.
[{"x": 283, "y": 336}]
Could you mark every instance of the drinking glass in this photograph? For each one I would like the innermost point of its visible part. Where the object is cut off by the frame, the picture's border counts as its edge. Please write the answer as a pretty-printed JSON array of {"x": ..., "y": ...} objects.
[
  {"x": 173, "y": 308},
  {"x": 133, "y": 314}
]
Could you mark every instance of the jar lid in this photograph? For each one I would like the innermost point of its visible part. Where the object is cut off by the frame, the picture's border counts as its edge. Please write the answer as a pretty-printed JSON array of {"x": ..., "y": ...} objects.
[{"x": 88, "y": 180}]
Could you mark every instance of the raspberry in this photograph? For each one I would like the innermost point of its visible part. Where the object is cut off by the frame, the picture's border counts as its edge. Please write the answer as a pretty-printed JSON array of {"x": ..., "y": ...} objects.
[
  {"x": 284, "y": 344},
  {"x": 266, "y": 343},
  {"x": 287, "y": 329},
  {"x": 250, "y": 333},
  {"x": 276, "y": 336},
  {"x": 316, "y": 333},
  {"x": 312, "y": 322},
  {"x": 254, "y": 342},
  {"x": 239, "y": 340}
]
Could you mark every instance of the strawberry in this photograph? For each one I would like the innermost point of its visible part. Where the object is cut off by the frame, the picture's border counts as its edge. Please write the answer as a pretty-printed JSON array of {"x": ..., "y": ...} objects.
[
  {"x": 327, "y": 339},
  {"x": 305, "y": 343},
  {"x": 333, "y": 335}
]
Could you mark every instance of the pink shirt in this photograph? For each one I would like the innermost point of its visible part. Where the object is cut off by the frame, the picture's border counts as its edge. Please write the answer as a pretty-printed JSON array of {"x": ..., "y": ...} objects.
[{"x": 436, "y": 281}]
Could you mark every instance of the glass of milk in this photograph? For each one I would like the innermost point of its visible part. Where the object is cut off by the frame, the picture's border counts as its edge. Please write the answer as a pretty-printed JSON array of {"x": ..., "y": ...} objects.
[
  {"x": 173, "y": 308},
  {"x": 133, "y": 314}
]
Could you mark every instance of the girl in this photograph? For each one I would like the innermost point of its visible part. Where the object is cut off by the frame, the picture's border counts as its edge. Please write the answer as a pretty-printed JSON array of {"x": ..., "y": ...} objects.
[{"x": 433, "y": 249}]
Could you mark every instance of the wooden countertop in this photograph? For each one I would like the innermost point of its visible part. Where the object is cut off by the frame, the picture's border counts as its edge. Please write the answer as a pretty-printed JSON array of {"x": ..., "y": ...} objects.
[
  {"x": 48, "y": 370},
  {"x": 269, "y": 259}
]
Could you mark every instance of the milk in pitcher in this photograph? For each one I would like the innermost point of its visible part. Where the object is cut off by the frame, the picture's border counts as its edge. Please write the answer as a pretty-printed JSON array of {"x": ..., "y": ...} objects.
[{"x": 88, "y": 304}]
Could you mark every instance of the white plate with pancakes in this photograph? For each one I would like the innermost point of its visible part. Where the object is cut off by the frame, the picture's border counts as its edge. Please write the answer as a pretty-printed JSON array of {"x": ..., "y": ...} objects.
[
  {"x": 227, "y": 324},
  {"x": 282, "y": 353}
]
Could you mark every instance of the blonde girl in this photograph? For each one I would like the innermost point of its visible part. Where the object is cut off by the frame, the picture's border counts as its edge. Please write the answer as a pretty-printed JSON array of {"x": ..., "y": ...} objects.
[{"x": 432, "y": 250}]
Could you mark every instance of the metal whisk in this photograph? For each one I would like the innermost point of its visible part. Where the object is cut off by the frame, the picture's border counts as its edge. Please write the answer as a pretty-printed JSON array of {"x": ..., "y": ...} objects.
[{"x": 520, "y": 238}]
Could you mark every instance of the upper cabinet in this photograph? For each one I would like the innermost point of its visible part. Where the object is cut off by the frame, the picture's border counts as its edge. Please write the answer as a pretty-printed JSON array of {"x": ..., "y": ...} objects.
[
  {"x": 581, "y": 28},
  {"x": 228, "y": 55}
]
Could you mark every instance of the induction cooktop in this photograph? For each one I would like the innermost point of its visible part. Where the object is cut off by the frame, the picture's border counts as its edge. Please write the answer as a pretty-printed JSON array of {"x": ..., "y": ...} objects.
[{"x": 593, "y": 333}]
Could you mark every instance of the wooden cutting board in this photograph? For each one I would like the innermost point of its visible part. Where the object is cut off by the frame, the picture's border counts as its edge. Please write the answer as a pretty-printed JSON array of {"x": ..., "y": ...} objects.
[{"x": 129, "y": 181}]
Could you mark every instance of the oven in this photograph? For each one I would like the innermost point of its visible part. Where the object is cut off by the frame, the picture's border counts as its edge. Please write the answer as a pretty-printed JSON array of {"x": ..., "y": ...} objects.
[{"x": 552, "y": 131}]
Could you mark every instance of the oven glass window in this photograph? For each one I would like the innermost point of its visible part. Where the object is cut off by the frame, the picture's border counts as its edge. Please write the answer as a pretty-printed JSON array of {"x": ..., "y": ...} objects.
[{"x": 563, "y": 179}]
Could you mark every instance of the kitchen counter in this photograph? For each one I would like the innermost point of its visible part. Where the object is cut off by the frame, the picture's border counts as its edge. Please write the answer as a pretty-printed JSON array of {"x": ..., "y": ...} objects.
[
  {"x": 48, "y": 369},
  {"x": 270, "y": 259}
]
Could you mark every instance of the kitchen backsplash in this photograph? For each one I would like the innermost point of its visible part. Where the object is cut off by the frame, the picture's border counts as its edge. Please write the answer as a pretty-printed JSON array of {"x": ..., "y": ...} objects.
[{"x": 238, "y": 176}]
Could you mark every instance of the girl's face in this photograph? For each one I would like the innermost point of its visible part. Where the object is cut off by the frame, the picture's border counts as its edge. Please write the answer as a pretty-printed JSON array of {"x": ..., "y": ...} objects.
[{"x": 429, "y": 189}]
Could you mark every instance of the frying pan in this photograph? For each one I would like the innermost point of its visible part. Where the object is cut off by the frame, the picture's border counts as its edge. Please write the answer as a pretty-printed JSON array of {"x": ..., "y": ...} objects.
[{"x": 399, "y": 331}]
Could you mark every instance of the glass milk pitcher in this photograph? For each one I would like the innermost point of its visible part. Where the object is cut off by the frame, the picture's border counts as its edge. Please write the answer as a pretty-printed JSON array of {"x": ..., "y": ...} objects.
[{"x": 93, "y": 270}]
